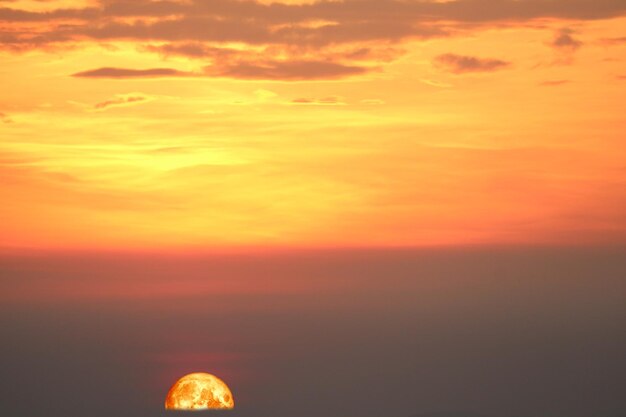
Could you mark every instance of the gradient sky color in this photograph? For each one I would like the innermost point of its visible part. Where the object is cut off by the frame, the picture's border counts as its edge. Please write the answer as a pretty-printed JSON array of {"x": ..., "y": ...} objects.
[
  {"x": 220, "y": 124},
  {"x": 357, "y": 208}
]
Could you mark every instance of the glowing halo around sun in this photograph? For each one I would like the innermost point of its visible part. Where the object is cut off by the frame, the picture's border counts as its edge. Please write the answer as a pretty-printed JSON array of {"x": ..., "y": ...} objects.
[{"x": 199, "y": 391}]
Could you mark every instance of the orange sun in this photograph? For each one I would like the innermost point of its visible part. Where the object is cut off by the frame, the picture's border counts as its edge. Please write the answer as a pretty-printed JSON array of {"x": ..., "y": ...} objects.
[{"x": 199, "y": 391}]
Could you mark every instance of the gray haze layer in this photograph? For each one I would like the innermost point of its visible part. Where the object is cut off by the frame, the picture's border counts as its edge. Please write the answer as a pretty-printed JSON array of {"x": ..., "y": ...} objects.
[{"x": 378, "y": 333}]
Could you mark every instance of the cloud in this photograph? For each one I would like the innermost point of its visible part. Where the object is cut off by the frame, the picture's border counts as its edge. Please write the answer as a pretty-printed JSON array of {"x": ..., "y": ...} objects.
[
  {"x": 287, "y": 24},
  {"x": 460, "y": 64},
  {"x": 342, "y": 33},
  {"x": 614, "y": 41},
  {"x": 264, "y": 70},
  {"x": 434, "y": 83},
  {"x": 564, "y": 40},
  {"x": 191, "y": 50},
  {"x": 395, "y": 11},
  {"x": 286, "y": 70},
  {"x": 110, "y": 72},
  {"x": 334, "y": 53},
  {"x": 565, "y": 45},
  {"x": 331, "y": 100},
  {"x": 123, "y": 100},
  {"x": 554, "y": 83},
  {"x": 258, "y": 23}
]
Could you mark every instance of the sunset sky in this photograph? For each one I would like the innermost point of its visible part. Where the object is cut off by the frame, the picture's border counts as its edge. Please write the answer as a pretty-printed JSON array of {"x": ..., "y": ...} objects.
[
  {"x": 357, "y": 208},
  {"x": 226, "y": 124}
]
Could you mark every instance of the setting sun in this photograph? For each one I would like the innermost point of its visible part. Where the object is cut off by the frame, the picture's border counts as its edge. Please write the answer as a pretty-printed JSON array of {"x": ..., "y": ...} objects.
[{"x": 199, "y": 391}]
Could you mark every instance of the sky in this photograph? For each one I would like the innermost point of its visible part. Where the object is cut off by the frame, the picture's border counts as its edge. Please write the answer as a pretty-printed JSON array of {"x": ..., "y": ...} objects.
[
  {"x": 357, "y": 208},
  {"x": 183, "y": 125}
]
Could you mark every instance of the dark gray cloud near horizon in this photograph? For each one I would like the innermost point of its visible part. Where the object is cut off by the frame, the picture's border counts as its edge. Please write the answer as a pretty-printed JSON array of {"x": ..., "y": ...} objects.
[{"x": 396, "y": 333}]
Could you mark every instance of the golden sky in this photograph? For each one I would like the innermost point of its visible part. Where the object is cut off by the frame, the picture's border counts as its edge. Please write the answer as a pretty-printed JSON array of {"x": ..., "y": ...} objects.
[{"x": 210, "y": 124}]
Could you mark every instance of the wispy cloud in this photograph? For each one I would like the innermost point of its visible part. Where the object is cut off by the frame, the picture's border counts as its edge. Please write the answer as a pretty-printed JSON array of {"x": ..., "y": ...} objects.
[
  {"x": 286, "y": 70},
  {"x": 554, "y": 83},
  {"x": 460, "y": 64},
  {"x": 325, "y": 101},
  {"x": 123, "y": 100},
  {"x": 110, "y": 72},
  {"x": 263, "y": 70},
  {"x": 565, "y": 40},
  {"x": 621, "y": 40},
  {"x": 565, "y": 44}
]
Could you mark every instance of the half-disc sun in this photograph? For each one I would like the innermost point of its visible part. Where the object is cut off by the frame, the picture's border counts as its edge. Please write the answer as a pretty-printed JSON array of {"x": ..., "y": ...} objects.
[{"x": 199, "y": 391}]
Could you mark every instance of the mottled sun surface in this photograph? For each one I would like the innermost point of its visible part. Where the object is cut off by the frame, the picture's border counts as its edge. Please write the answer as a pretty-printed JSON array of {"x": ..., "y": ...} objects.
[{"x": 199, "y": 391}]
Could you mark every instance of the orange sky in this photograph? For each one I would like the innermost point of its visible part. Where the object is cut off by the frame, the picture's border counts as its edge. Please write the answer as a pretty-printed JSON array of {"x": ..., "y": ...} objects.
[{"x": 202, "y": 124}]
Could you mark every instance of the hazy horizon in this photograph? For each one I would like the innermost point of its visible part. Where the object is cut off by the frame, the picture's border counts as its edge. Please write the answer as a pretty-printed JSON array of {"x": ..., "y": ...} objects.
[{"x": 534, "y": 332}]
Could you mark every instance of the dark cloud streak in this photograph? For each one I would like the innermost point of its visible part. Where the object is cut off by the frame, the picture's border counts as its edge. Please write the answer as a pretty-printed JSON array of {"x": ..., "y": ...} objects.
[
  {"x": 460, "y": 64},
  {"x": 123, "y": 100},
  {"x": 110, "y": 72},
  {"x": 291, "y": 70},
  {"x": 263, "y": 70}
]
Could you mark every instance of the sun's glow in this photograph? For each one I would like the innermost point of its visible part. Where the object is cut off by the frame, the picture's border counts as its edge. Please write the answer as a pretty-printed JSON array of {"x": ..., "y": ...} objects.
[
  {"x": 317, "y": 126},
  {"x": 199, "y": 391}
]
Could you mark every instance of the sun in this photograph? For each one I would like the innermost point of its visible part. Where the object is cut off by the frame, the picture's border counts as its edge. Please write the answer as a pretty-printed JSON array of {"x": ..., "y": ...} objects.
[{"x": 199, "y": 391}]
